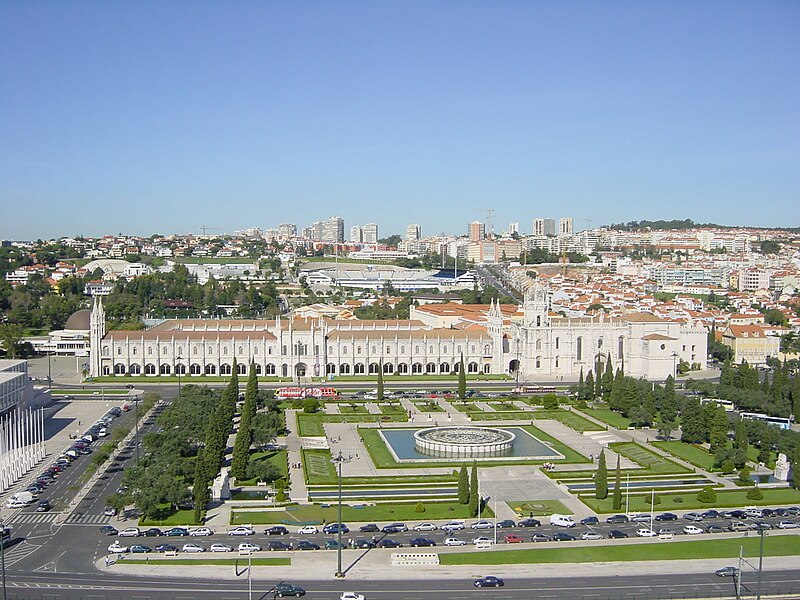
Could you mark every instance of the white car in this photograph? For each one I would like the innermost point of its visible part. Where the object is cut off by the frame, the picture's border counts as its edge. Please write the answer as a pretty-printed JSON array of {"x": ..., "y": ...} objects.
[
  {"x": 193, "y": 548},
  {"x": 129, "y": 532},
  {"x": 645, "y": 532},
  {"x": 451, "y": 541},
  {"x": 220, "y": 548},
  {"x": 591, "y": 535},
  {"x": 352, "y": 596},
  {"x": 452, "y": 526},
  {"x": 482, "y": 540},
  {"x": 425, "y": 527},
  {"x": 202, "y": 531},
  {"x": 248, "y": 547},
  {"x": 241, "y": 530},
  {"x": 308, "y": 529},
  {"x": 692, "y": 530},
  {"x": 482, "y": 525},
  {"x": 16, "y": 504},
  {"x": 117, "y": 548},
  {"x": 786, "y": 525}
]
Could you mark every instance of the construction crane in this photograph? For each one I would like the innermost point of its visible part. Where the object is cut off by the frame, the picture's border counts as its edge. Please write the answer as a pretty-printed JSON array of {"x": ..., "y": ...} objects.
[{"x": 204, "y": 229}]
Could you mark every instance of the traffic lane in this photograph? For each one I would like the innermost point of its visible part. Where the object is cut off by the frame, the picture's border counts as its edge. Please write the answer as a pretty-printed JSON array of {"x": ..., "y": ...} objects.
[{"x": 42, "y": 585}]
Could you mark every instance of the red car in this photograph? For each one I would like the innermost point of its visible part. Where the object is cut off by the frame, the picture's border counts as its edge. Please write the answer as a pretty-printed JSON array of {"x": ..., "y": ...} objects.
[{"x": 513, "y": 538}]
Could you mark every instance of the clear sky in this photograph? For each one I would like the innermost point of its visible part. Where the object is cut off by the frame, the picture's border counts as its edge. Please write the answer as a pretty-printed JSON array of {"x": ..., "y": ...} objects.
[{"x": 162, "y": 116}]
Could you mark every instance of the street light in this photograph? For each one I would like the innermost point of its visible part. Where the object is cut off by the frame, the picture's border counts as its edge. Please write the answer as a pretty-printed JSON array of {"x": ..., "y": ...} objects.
[
  {"x": 339, "y": 460},
  {"x": 674, "y": 367},
  {"x": 3, "y": 553}
]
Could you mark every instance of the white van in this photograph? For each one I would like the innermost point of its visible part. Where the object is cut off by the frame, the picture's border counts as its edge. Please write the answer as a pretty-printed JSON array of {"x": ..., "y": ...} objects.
[
  {"x": 562, "y": 520},
  {"x": 25, "y": 497}
]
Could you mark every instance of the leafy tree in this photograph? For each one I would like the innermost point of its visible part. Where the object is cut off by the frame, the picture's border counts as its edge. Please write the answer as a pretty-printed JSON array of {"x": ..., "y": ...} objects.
[
  {"x": 463, "y": 485},
  {"x": 718, "y": 432},
  {"x": 795, "y": 461},
  {"x": 707, "y": 495},
  {"x": 755, "y": 494},
  {"x": 665, "y": 428},
  {"x": 474, "y": 498},
  {"x": 310, "y": 405},
  {"x": 10, "y": 339},
  {"x": 616, "y": 500},
  {"x": 693, "y": 427},
  {"x": 262, "y": 470},
  {"x": 601, "y": 478}
]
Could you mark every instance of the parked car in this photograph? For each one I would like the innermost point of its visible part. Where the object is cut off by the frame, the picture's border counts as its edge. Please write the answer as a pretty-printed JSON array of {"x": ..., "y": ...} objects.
[
  {"x": 641, "y": 518},
  {"x": 130, "y": 532},
  {"x": 489, "y": 581},
  {"x": 389, "y": 543},
  {"x": 616, "y": 534},
  {"x": 117, "y": 548},
  {"x": 505, "y": 523},
  {"x": 715, "y": 529},
  {"x": 166, "y": 548},
  {"x": 277, "y": 530},
  {"x": 192, "y": 548},
  {"x": 591, "y": 535},
  {"x": 452, "y": 526},
  {"x": 710, "y": 514},
  {"x": 352, "y": 596},
  {"x": 287, "y": 589},
  {"x": 369, "y": 528},
  {"x": 363, "y": 544},
  {"x": 334, "y": 545},
  {"x": 248, "y": 547},
  {"x": 693, "y": 516},
  {"x": 541, "y": 537},
  {"x": 308, "y": 530},
  {"x": 727, "y": 572},
  {"x": 43, "y": 506},
  {"x": 482, "y": 525},
  {"x": 529, "y": 523},
  {"x": 420, "y": 541},
  {"x": 108, "y": 530},
  {"x": 306, "y": 545},
  {"x": 692, "y": 530},
  {"x": 667, "y": 516},
  {"x": 201, "y": 531},
  {"x": 512, "y": 538},
  {"x": 590, "y": 521},
  {"x": 425, "y": 527},
  {"x": 452, "y": 541},
  {"x": 220, "y": 548},
  {"x": 335, "y": 528},
  {"x": 176, "y": 532},
  {"x": 563, "y": 536},
  {"x": 786, "y": 525},
  {"x": 481, "y": 539},
  {"x": 139, "y": 549},
  {"x": 645, "y": 532},
  {"x": 617, "y": 519},
  {"x": 241, "y": 530},
  {"x": 152, "y": 532}
]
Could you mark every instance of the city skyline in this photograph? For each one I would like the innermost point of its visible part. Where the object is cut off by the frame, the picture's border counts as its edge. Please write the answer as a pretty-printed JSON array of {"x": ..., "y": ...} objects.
[{"x": 145, "y": 119}]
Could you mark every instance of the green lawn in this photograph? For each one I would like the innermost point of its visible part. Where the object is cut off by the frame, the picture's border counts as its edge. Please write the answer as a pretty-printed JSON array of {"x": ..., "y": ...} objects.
[
  {"x": 171, "y": 519},
  {"x": 537, "y": 508},
  {"x": 697, "y": 455},
  {"x": 428, "y": 407},
  {"x": 318, "y": 466},
  {"x": 689, "y": 501},
  {"x": 569, "y": 418},
  {"x": 352, "y": 409},
  {"x": 608, "y": 416},
  {"x": 389, "y": 511},
  {"x": 277, "y": 457},
  {"x": 774, "y": 545},
  {"x": 241, "y": 561},
  {"x": 654, "y": 463},
  {"x": 311, "y": 425}
]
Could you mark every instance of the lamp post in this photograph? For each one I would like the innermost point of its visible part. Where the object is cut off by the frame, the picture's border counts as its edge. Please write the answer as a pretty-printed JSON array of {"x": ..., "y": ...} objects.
[
  {"x": 3, "y": 554},
  {"x": 674, "y": 366},
  {"x": 762, "y": 532},
  {"x": 49, "y": 371},
  {"x": 136, "y": 420},
  {"x": 339, "y": 460}
]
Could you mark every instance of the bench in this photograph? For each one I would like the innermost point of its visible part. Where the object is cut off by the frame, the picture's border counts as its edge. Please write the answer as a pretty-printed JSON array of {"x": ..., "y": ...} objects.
[{"x": 411, "y": 559}]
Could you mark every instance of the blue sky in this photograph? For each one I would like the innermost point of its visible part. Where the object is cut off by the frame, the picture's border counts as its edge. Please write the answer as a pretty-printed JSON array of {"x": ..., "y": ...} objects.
[{"x": 159, "y": 117}]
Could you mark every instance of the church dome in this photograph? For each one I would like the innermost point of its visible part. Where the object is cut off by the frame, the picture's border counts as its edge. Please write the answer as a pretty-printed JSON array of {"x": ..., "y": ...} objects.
[{"x": 78, "y": 321}]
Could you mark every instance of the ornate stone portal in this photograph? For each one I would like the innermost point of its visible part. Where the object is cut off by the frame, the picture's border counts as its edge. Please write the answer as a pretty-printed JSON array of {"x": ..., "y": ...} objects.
[{"x": 463, "y": 441}]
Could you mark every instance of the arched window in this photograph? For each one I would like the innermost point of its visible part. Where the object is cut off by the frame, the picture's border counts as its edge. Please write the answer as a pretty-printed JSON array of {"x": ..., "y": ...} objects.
[
  {"x": 119, "y": 369},
  {"x": 416, "y": 368},
  {"x": 472, "y": 367},
  {"x": 600, "y": 343},
  {"x": 556, "y": 363},
  {"x": 211, "y": 369},
  {"x": 402, "y": 368},
  {"x": 119, "y": 351},
  {"x": 284, "y": 370},
  {"x": 358, "y": 350},
  {"x": 330, "y": 369},
  {"x": 388, "y": 368},
  {"x": 473, "y": 348},
  {"x": 430, "y": 367},
  {"x": 416, "y": 349},
  {"x": 444, "y": 368},
  {"x": 344, "y": 349},
  {"x": 210, "y": 350},
  {"x": 225, "y": 350},
  {"x": 373, "y": 368},
  {"x": 538, "y": 362},
  {"x": 164, "y": 370},
  {"x": 196, "y": 350},
  {"x": 579, "y": 349},
  {"x": 106, "y": 351},
  {"x": 224, "y": 369},
  {"x": 430, "y": 350},
  {"x": 344, "y": 369},
  {"x": 444, "y": 349},
  {"x": 270, "y": 369},
  {"x": 180, "y": 350},
  {"x": 620, "y": 347},
  {"x": 180, "y": 369},
  {"x": 149, "y": 350},
  {"x": 374, "y": 349},
  {"x": 539, "y": 321},
  {"x": 240, "y": 350},
  {"x": 402, "y": 349},
  {"x": 358, "y": 369},
  {"x": 258, "y": 369},
  {"x": 133, "y": 351},
  {"x": 538, "y": 344},
  {"x": 487, "y": 368},
  {"x": 195, "y": 369},
  {"x": 255, "y": 350},
  {"x": 557, "y": 342},
  {"x": 164, "y": 350},
  {"x": 106, "y": 370},
  {"x": 135, "y": 369},
  {"x": 487, "y": 350},
  {"x": 241, "y": 368},
  {"x": 456, "y": 367}
]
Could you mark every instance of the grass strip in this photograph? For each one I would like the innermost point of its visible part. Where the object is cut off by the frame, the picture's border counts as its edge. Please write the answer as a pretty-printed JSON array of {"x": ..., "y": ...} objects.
[
  {"x": 688, "y": 500},
  {"x": 774, "y": 545},
  {"x": 609, "y": 416}
]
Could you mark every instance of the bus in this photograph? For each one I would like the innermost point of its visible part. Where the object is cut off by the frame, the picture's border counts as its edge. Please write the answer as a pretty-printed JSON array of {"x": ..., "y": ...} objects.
[
  {"x": 726, "y": 404},
  {"x": 293, "y": 393},
  {"x": 534, "y": 389},
  {"x": 782, "y": 422}
]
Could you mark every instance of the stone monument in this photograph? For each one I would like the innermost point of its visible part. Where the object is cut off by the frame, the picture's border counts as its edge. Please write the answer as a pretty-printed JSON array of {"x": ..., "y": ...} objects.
[
  {"x": 782, "y": 468},
  {"x": 221, "y": 487}
]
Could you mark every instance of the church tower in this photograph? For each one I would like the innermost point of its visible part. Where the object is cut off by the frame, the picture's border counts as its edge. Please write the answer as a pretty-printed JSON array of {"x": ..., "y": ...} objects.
[
  {"x": 536, "y": 306},
  {"x": 97, "y": 331}
]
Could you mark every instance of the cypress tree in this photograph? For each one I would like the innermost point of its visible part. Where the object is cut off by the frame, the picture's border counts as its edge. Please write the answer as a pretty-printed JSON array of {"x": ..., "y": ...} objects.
[
  {"x": 607, "y": 383},
  {"x": 796, "y": 467},
  {"x": 463, "y": 485},
  {"x": 590, "y": 385},
  {"x": 617, "y": 497},
  {"x": 581, "y": 391},
  {"x": 601, "y": 478},
  {"x": 474, "y": 498},
  {"x": 380, "y": 379},
  {"x": 718, "y": 432},
  {"x": 244, "y": 436},
  {"x": 462, "y": 379},
  {"x": 598, "y": 382}
]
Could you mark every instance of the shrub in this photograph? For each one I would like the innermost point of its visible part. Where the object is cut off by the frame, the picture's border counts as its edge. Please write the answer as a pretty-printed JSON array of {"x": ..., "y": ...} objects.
[
  {"x": 678, "y": 499},
  {"x": 728, "y": 466},
  {"x": 420, "y": 508},
  {"x": 755, "y": 494},
  {"x": 707, "y": 496}
]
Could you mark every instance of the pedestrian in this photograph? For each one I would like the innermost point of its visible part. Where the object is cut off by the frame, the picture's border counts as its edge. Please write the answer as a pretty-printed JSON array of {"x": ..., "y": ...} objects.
[{"x": 106, "y": 559}]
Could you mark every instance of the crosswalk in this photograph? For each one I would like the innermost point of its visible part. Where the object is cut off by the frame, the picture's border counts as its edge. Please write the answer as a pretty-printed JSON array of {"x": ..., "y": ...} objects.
[
  {"x": 75, "y": 518},
  {"x": 78, "y": 518},
  {"x": 30, "y": 517}
]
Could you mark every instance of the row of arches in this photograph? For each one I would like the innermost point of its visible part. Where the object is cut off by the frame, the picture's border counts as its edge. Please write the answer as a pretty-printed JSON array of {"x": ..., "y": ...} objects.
[{"x": 389, "y": 368}]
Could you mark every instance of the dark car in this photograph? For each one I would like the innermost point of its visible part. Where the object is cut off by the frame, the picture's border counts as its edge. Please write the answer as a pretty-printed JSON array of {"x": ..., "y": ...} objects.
[
  {"x": 395, "y": 528},
  {"x": 563, "y": 536},
  {"x": 333, "y": 545},
  {"x": 505, "y": 523},
  {"x": 727, "y": 572},
  {"x": 139, "y": 549},
  {"x": 152, "y": 532},
  {"x": 278, "y": 545},
  {"x": 369, "y": 528},
  {"x": 715, "y": 529},
  {"x": 667, "y": 516},
  {"x": 766, "y": 512},
  {"x": 287, "y": 589},
  {"x": 529, "y": 523},
  {"x": 420, "y": 541},
  {"x": 363, "y": 544},
  {"x": 617, "y": 519},
  {"x": 616, "y": 533},
  {"x": 389, "y": 543},
  {"x": 335, "y": 528},
  {"x": 108, "y": 530},
  {"x": 306, "y": 545},
  {"x": 710, "y": 514},
  {"x": 590, "y": 521},
  {"x": 489, "y": 581},
  {"x": 166, "y": 548},
  {"x": 276, "y": 530},
  {"x": 176, "y": 531},
  {"x": 43, "y": 506}
]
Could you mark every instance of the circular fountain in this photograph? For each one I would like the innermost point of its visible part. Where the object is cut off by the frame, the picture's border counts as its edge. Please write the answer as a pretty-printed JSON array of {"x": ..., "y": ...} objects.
[{"x": 463, "y": 441}]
